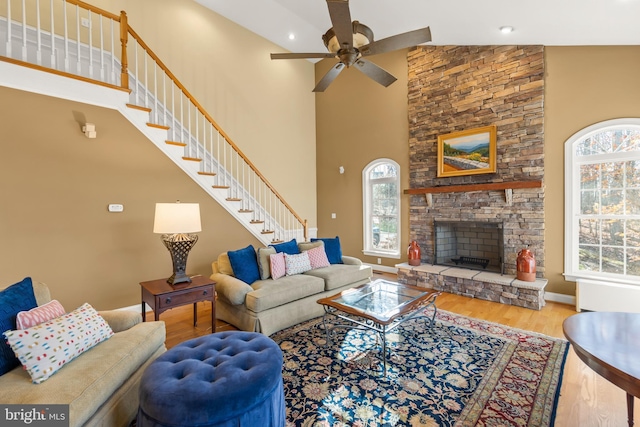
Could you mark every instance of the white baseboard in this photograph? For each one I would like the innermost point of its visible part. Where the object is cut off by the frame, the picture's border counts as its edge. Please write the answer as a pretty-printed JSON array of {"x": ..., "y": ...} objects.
[
  {"x": 383, "y": 268},
  {"x": 561, "y": 298},
  {"x": 136, "y": 308}
]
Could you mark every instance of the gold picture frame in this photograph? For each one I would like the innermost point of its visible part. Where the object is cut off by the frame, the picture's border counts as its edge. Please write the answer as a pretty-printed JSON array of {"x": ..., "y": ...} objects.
[{"x": 468, "y": 152}]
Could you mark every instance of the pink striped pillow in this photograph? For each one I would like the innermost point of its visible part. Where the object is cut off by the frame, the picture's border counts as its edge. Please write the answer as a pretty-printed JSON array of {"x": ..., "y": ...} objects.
[
  {"x": 277, "y": 265},
  {"x": 318, "y": 257},
  {"x": 41, "y": 314}
]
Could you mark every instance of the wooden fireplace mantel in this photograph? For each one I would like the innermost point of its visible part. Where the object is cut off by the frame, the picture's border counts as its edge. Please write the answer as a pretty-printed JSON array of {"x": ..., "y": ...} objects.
[{"x": 506, "y": 186}]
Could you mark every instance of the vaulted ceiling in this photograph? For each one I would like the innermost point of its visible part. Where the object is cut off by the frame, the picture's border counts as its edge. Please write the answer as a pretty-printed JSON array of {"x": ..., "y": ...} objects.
[{"x": 459, "y": 22}]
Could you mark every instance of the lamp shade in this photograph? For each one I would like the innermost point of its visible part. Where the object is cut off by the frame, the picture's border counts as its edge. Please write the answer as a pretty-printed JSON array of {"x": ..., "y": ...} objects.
[{"x": 175, "y": 218}]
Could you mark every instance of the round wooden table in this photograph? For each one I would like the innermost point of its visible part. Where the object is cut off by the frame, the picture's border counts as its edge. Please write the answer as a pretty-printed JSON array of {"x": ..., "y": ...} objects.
[{"x": 609, "y": 343}]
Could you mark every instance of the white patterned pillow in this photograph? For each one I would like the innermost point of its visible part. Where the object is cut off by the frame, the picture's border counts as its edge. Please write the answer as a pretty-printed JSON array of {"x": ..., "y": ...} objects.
[
  {"x": 45, "y": 348},
  {"x": 297, "y": 263},
  {"x": 41, "y": 314},
  {"x": 277, "y": 265},
  {"x": 318, "y": 257}
]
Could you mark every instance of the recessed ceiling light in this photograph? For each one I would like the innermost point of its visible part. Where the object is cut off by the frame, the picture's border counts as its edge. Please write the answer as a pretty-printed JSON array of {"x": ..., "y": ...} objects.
[
  {"x": 506, "y": 30},
  {"x": 292, "y": 36}
]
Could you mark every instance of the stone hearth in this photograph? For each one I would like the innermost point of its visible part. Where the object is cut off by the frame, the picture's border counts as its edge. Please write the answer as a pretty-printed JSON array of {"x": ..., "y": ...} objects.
[{"x": 483, "y": 285}]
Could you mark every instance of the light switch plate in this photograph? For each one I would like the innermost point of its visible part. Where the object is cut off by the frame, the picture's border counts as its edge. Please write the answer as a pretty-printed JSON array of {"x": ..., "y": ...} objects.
[{"x": 116, "y": 208}]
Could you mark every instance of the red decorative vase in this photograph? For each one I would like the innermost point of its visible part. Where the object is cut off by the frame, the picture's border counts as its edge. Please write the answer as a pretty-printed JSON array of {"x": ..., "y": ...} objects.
[
  {"x": 413, "y": 252},
  {"x": 526, "y": 266}
]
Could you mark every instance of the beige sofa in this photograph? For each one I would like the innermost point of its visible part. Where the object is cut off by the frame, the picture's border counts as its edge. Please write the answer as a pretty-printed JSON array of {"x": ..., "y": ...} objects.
[
  {"x": 268, "y": 305},
  {"x": 101, "y": 385}
]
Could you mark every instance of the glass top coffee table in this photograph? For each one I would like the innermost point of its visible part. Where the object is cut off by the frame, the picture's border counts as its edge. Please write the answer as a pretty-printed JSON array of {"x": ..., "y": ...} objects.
[{"x": 380, "y": 306}]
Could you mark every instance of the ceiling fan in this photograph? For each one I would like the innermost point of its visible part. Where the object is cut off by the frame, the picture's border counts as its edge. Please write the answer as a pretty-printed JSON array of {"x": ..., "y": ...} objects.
[{"x": 350, "y": 42}]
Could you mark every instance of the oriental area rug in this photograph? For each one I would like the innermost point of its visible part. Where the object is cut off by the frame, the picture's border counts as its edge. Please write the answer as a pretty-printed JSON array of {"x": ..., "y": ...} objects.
[{"x": 458, "y": 372}]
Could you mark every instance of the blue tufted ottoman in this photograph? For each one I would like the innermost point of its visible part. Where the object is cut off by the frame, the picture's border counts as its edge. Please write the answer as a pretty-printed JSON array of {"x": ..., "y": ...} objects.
[{"x": 226, "y": 379}]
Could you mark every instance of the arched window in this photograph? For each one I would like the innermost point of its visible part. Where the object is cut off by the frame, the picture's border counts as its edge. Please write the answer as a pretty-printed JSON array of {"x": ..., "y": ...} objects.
[
  {"x": 602, "y": 202},
  {"x": 381, "y": 197}
]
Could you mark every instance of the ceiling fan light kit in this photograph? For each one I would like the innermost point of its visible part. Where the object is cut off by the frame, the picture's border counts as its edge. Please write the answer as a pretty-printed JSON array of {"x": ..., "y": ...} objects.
[{"x": 350, "y": 42}]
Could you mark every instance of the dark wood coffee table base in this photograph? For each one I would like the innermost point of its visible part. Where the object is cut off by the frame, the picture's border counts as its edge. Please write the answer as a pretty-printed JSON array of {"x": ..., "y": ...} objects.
[{"x": 608, "y": 343}]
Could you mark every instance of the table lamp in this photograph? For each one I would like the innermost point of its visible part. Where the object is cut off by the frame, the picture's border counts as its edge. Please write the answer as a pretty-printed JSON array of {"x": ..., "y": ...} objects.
[{"x": 176, "y": 222}]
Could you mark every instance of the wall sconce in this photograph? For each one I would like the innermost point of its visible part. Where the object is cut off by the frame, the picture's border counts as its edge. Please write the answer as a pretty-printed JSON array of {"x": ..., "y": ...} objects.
[
  {"x": 341, "y": 169},
  {"x": 175, "y": 221},
  {"x": 89, "y": 130}
]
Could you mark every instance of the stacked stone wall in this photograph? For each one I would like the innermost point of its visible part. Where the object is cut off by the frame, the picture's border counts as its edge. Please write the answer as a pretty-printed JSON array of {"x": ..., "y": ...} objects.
[{"x": 455, "y": 88}]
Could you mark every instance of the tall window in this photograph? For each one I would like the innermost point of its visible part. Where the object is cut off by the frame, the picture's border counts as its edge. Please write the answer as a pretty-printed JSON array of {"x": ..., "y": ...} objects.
[
  {"x": 602, "y": 185},
  {"x": 381, "y": 191}
]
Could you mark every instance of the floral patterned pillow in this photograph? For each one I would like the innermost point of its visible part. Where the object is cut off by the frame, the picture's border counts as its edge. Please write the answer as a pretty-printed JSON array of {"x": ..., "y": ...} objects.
[
  {"x": 41, "y": 314},
  {"x": 296, "y": 264},
  {"x": 45, "y": 348}
]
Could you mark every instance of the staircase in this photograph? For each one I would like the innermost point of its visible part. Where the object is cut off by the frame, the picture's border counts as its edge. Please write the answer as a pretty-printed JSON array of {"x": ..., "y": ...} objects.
[{"x": 72, "y": 50}]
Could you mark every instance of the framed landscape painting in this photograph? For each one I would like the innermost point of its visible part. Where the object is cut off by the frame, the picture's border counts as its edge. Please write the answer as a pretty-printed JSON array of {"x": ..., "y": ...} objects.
[{"x": 467, "y": 152}]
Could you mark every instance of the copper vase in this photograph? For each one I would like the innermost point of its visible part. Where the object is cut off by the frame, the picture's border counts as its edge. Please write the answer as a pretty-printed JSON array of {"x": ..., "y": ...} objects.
[
  {"x": 413, "y": 253},
  {"x": 526, "y": 266}
]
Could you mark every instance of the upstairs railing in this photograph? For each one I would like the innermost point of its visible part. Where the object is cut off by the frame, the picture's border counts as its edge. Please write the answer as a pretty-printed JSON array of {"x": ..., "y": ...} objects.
[{"x": 82, "y": 41}]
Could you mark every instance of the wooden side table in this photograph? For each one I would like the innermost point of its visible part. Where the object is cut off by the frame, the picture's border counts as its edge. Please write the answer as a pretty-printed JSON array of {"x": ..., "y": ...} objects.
[{"x": 162, "y": 296}]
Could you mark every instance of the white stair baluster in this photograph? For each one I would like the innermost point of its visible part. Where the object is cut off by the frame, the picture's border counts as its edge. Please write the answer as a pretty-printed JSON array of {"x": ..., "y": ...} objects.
[
  {"x": 38, "y": 35},
  {"x": 24, "y": 31}
]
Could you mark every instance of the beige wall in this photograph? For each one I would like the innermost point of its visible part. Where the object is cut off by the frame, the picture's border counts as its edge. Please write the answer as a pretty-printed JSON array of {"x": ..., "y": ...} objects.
[
  {"x": 56, "y": 184},
  {"x": 583, "y": 85},
  {"x": 358, "y": 122}
]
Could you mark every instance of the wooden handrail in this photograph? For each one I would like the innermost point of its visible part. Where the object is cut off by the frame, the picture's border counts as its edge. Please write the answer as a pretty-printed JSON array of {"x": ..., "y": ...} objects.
[
  {"x": 94, "y": 9},
  {"x": 215, "y": 125},
  {"x": 475, "y": 187}
]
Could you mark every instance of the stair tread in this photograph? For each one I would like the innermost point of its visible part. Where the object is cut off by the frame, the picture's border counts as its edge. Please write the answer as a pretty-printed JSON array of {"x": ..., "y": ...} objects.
[
  {"x": 155, "y": 125},
  {"x": 139, "y": 107},
  {"x": 267, "y": 232},
  {"x": 192, "y": 159},
  {"x": 223, "y": 187},
  {"x": 233, "y": 199},
  {"x": 245, "y": 210},
  {"x": 207, "y": 173},
  {"x": 180, "y": 144},
  {"x": 256, "y": 221}
]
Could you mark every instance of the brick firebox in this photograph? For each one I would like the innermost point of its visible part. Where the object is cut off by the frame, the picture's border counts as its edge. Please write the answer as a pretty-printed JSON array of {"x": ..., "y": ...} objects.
[{"x": 454, "y": 88}]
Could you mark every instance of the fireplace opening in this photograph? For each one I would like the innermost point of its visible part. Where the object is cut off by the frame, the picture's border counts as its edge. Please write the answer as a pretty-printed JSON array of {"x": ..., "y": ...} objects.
[{"x": 469, "y": 244}]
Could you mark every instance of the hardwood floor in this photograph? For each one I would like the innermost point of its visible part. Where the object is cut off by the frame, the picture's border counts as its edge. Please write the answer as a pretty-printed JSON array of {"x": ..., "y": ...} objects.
[{"x": 586, "y": 400}]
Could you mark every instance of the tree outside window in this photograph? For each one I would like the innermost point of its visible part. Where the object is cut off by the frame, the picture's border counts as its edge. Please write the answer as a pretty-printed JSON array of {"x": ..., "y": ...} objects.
[
  {"x": 603, "y": 201},
  {"x": 381, "y": 191}
]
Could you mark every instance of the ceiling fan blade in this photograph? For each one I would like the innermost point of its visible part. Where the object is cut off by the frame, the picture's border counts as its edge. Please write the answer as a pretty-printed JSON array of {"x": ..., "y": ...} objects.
[
  {"x": 375, "y": 72},
  {"x": 341, "y": 21},
  {"x": 329, "y": 77},
  {"x": 301, "y": 55},
  {"x": 399, "y": 41}
]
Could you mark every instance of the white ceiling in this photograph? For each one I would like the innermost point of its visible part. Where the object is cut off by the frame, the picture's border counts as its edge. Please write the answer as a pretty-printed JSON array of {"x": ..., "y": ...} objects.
[{"x": 452, "y": 22}]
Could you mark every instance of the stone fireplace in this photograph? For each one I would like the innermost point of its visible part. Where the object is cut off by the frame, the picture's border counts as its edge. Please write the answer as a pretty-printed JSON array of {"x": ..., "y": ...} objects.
[
  {"x": 469, "y": 244},
  {"x": 455, "y": 88}
]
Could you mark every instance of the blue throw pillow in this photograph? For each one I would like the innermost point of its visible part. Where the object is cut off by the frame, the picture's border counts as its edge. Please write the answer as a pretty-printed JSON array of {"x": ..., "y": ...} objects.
[
  {"x": 245, "y": 264},
  {"x": 14, "y": 299},
  {"x": 290, "y": 247},
  {"x": 332, "y": 248}
]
